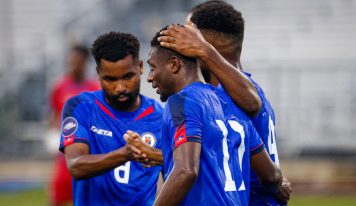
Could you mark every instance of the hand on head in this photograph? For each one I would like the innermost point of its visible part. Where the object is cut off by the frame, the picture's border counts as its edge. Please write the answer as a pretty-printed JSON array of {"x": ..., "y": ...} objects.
[{"x": 186, "y": 40}]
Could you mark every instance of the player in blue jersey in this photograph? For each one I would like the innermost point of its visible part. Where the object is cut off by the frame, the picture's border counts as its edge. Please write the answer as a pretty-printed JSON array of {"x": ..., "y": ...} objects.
[
  {"x": 222, "y": 27},
  {"x": 94, "y": 123},
  {"x": 195, "y": 136}
]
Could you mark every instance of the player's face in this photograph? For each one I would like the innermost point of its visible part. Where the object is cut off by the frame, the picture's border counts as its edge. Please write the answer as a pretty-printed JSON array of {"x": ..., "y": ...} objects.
[
  {"x": 120, "y": 81},
  {"x": 77, "y": 63},
  {"x": 160, "y": 76}
]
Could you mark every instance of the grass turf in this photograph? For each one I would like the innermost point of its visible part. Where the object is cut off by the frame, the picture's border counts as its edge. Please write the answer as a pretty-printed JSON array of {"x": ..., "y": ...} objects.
[{"x": 38, "y": 198}]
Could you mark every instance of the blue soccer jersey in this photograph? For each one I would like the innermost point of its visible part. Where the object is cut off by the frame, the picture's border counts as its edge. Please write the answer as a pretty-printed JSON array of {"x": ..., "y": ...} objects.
[
  {"x": 88, "y": 119},
  {"x": 195, "y": 114},
  {"x": 244, "y": 137},
  {"x": 264, "y": 123}
]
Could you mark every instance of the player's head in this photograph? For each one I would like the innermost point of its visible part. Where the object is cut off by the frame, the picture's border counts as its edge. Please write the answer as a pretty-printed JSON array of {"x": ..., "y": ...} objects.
[
  {"x": 168, "y": 68},
  {"x": 197, "y": 7},
  {"x": 119, "y": 68},
  {"x": 222, "y": 26},
  {"x": 77, "y": 60}
]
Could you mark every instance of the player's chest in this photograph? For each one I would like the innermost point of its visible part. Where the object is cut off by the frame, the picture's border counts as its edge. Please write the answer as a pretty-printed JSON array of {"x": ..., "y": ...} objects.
[{"x": 108, "y": 133}]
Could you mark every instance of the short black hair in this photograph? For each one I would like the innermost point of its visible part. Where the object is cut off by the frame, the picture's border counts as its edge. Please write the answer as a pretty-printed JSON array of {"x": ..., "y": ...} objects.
[
  {"x": 81, "y": 49},
  {"x": 220, "y": 17},
  {"x": 198, "y": 6},
  {"x": 156, "y": 43},
  {"x": 114, "y": 46}
]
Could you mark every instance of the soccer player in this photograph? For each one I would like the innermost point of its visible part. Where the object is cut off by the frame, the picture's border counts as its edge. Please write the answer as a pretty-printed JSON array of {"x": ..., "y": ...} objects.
[
  {"x": 194, "y": 134},
  {"x": 221, "y": 29},
  {"x": 72, "y": 83},
  {"x": 94, "y": 123}
]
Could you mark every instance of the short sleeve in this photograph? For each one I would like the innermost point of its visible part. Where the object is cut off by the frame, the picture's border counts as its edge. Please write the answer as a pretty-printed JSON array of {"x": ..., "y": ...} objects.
[
  {"x": 256, "y": 144},
  {"x": 187, "y": 120},
  {"x": 75, "y": 123}
]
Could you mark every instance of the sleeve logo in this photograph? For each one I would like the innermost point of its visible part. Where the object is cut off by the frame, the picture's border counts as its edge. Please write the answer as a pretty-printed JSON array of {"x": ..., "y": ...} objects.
[
  {"x": 70, "y": 125},
  {"x": 149, "y": 138}
]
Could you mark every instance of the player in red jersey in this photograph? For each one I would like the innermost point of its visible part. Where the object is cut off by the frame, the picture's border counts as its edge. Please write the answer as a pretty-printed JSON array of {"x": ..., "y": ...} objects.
[{"x": 72, "y": 83}]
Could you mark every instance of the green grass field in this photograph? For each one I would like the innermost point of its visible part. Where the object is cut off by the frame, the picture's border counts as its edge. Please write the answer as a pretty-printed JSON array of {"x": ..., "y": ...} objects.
[{"x": 38, "y": 198}]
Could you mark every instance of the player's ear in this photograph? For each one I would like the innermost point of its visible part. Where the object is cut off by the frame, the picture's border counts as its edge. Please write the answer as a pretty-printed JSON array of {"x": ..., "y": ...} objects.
[
  {"x": 140, "y": 64},
  {"x": 175, "y": 64}
]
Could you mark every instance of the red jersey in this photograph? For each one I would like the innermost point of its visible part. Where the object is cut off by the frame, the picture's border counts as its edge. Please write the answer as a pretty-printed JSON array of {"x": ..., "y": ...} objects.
[{"x": 66, "y": 88}]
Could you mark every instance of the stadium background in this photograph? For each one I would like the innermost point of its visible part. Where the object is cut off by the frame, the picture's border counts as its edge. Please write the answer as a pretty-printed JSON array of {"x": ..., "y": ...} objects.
[{"x": 303, "y": 53}]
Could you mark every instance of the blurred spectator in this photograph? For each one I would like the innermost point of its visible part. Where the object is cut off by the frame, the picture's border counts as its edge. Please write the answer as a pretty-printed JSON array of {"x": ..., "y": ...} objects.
[{"x": 72, "y": 83}]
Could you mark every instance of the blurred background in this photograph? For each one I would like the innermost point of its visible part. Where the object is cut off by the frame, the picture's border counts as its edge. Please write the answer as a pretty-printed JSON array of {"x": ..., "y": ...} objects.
[{"x": 303, "y": 53}]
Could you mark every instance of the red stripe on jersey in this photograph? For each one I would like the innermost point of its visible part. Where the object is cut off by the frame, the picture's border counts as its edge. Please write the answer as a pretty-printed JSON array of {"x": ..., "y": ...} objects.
[
  {"x": 145, "y": 113},
  {"x": 68, "y": 140},
  {"x": 102, "y": 107},
  {"x": 180, "y": 136}
]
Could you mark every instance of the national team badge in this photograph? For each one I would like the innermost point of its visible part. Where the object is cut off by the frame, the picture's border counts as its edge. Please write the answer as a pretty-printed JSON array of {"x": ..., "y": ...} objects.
[
  {"x": 70, "y": 125},
  {"x": 149, "y": 138}
]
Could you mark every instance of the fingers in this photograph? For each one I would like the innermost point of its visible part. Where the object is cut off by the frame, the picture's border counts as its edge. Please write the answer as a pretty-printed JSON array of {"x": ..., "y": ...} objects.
[
  {"x": 132, "y": 135},
  {"x": 134, "y": 150},
  {"x": 167, "y": 39},
  {"x": 168, "y": 45},
  {"x": 168, "y": 32},
  {"x": 126, "y": 137}
]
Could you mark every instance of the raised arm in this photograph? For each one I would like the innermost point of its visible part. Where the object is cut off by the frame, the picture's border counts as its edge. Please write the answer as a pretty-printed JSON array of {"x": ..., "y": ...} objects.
[
  {"x": 82, "y": 165},
  {"x": 190, "y": 42},
  {"x": 183, "y": 175}
]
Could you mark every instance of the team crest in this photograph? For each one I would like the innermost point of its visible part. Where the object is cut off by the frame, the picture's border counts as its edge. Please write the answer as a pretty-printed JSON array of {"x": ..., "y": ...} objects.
[
  {"x": 70, "y": 125},
  {"x": 149, "y": 138}
]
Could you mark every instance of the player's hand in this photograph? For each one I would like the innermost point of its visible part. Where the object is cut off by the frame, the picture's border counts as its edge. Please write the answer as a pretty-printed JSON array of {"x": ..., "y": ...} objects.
[
  {"x": 140, "y": 148},
  {"x": 154, "y": 156},
  {"x": 135, "y": 154},
  {"x": 185, "y": 40},
  {"x": 284, "y": 193}
]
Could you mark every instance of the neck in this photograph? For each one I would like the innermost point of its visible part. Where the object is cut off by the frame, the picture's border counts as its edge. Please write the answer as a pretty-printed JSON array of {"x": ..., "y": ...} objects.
[
  {"x": 186, "y": 80},
  {"x": 135, "y": 105}
]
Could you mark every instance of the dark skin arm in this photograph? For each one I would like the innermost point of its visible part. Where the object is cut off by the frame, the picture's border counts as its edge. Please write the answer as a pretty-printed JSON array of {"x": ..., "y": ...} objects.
[
  {"x": 271, "y": 176},
  {"x": 183, "y": 175},
  {"x": 190, "y": 42},
  {"x": 154, "y": 155},
  {"x": 82, "y": 165}
]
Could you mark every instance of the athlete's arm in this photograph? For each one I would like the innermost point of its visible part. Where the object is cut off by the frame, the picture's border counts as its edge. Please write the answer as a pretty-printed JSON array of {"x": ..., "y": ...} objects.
[
  {"x": 154, "y": 155},
  {"x": 189, "y": 41},
  {"x": 183, "y": 175},
  {"x": 82, "y": 165},
  {"x": 268, "y": 173}
]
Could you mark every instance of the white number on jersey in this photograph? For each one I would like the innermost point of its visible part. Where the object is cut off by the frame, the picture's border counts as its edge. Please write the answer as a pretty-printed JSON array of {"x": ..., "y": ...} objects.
[
  {"x": 230, "y": 184},
  {"x": 272, "y": 146},
  {"x": 125, "y": 173}
]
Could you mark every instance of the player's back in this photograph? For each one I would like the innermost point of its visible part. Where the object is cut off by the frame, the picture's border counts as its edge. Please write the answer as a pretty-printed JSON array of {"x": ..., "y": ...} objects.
[
  {"x": 243, "y": 142},
  {"x": 89, "y": 119},
  {"x": 264, "y": 123},
  {"x": 197, "y": 111}
]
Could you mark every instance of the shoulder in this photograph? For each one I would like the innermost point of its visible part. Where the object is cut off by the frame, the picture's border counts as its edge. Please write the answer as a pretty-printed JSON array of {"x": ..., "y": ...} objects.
[{"x": 83, "y": 101}]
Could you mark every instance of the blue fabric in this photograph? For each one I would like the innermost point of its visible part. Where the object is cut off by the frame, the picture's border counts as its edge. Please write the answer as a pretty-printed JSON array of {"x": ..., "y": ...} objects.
[
  {"x": 194, "y": 115},
  {"x": 89, "y": 119},
  {"x": 264, "y": 123}
]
